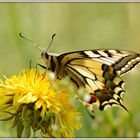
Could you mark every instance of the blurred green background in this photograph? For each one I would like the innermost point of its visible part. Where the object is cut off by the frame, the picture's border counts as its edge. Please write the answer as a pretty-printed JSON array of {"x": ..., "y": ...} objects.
[{"x": 78, "y": 26}]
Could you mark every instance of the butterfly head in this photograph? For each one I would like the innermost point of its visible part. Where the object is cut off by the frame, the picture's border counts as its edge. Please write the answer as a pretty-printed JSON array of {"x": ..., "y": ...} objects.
[
  {"x": 50, "y": 60},
  {"x": 46, "y": 57},
  {"x": 44, "y": 54}
]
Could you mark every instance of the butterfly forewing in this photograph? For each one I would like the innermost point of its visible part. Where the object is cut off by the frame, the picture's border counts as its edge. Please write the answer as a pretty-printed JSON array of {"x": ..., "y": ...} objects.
[{"x": 120, "y": 60}]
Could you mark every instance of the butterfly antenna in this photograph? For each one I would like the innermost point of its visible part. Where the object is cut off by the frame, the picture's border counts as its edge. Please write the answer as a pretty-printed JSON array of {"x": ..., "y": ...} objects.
[
  {"x": 51, "y": 41},
  {"x": 20, "y": 34}
]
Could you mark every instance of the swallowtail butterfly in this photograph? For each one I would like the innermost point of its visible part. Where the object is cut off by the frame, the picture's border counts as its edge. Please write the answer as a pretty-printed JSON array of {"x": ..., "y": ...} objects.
[{"x": 99, "y": 71}]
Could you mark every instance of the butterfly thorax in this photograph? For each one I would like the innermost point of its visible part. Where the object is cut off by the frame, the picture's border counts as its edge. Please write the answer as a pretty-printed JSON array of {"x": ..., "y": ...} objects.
[{"x": 50, "y": 61}]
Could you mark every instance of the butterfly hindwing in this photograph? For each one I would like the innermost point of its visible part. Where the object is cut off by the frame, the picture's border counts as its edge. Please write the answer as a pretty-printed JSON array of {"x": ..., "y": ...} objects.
[{"x": 99, "y": 80}]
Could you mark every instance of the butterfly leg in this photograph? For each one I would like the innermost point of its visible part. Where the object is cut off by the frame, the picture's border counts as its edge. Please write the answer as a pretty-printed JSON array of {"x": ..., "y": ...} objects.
[
  {"x": 40, "y": 66},
  {"x": 44, "y": 74},
  {"x": 30, "y": 64}
]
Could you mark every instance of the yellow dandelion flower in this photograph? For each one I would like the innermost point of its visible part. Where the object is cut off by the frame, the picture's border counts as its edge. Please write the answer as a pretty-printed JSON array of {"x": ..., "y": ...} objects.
[{"x": 34, "y": 104}]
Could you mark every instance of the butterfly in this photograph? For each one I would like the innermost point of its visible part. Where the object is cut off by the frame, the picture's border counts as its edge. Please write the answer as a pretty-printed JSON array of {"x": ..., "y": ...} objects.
[{"x": 98, "y": 71}]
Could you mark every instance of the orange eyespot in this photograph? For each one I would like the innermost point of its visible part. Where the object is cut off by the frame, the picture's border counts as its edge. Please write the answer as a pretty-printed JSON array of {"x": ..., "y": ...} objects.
[{"x": 93, "y": 99}]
